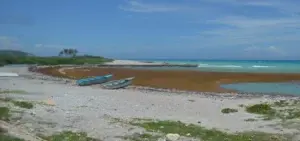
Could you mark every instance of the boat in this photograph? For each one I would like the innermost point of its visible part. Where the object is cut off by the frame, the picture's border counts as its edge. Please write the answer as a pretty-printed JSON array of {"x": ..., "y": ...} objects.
[
  {"x": 94, "y": 80},
  {"x": 117, "y": 84},
  {"x": 8, "y": 74}
]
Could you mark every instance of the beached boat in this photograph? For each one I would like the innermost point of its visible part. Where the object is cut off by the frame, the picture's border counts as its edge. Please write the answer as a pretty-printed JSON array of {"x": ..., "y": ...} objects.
[
  {"x": 8, "y": 74},
  {"x": 94, "y": 80},
  {"x": 117, "y": 84}
]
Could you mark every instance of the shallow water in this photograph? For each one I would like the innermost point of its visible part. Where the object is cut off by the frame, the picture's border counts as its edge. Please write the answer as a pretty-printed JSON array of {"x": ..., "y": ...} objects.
[{"x": 268, "y": 88}]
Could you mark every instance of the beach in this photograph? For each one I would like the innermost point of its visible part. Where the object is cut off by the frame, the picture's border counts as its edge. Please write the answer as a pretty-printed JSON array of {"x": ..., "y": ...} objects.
[
  {"x": 188, "y": 80},
  {"x": 103, "y": 113}
]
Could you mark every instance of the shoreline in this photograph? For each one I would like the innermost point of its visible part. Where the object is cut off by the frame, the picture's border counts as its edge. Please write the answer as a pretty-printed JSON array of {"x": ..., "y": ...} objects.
[
  {"x": 179, "y": 80},
  {"x": 77, "y": 108},
  {"x": 234, "y": 94}
]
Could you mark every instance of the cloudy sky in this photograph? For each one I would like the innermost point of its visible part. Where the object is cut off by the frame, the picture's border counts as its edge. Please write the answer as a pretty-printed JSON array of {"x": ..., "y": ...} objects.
[{"x": 197, "y": 29}]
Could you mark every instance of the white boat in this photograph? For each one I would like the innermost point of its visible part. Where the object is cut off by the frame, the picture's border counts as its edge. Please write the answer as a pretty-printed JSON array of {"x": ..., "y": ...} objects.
[{"x": 8, "y": 74}]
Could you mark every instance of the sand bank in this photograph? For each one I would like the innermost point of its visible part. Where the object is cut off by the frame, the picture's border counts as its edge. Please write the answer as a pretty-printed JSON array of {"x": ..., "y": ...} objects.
[{"x": 131, "y": 62}]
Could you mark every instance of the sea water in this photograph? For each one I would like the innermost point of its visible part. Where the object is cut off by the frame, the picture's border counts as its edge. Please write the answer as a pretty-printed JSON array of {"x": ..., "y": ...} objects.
[
  {"x": 266, "y": 66},
  {"x": 267, "y": 88},
  {"x": 253, "y": 66}
]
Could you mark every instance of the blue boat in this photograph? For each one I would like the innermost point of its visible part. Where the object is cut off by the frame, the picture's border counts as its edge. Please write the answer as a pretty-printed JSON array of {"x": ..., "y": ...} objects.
[
  {"x": 117, "y": 84},
  {"x": 94, "y": 80}
]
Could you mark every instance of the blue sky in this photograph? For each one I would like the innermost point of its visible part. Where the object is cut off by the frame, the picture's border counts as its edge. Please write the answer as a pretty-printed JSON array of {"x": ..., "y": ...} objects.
[{"x": 198, "y": 29}]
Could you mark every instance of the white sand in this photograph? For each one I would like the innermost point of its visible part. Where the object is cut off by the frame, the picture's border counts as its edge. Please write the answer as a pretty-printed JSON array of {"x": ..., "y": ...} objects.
[
  {"x": 131, "y": 62},
  {"x": 89, "y": 108}
]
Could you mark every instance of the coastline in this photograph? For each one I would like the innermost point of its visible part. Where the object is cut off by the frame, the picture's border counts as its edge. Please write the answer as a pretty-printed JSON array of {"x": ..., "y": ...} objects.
[
  {"x": 186, "y": 80},
  {"x": 86, "y": 105}
]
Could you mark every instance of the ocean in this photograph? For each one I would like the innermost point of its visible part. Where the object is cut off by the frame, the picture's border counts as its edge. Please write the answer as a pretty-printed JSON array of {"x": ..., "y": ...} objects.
[
  {"x": 253, "y": 66},
  {"x": 268, "y": 66}
]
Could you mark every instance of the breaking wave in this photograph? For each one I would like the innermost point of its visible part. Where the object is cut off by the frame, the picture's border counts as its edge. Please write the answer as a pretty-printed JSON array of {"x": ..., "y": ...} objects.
[
  {"x": 232, "y": 66},
  {"x": 218, "y": 66},
  {"x": 257, "y": 66}
]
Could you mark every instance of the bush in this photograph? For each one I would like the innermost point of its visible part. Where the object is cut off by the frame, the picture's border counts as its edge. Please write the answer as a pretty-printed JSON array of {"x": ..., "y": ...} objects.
[
  {"x": 229, "y": 110},
  {"x": 262, "y": 109}
]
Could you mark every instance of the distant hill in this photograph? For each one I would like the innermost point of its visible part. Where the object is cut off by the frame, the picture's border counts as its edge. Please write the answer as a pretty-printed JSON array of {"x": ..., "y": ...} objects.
[{"x": 14, "y": 53}]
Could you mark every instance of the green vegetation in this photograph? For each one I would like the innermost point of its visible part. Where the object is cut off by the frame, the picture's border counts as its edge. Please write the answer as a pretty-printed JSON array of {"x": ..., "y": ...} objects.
[
  {"x": 23, "y": 104},
  {"x": 142, "y": 137},
  {"x": 207, "y": 134},
  {"x": 68, "y": 52},
  {"x": 14, "y": 53},
  {"x": 4, "y": 113},
  {"x": 4, "y": 137},
  {"x": 12, "y": 91},
  {"x": 229, "y": 110},
  {"x": 68, "y": 58},
  {"x": 260, "y": 109},
  {"x": 70, "y": 136},
  {"x": 5, "y": 60},
  {"x": 250, "y": 119},
  {"x": 283, "y": 109}
]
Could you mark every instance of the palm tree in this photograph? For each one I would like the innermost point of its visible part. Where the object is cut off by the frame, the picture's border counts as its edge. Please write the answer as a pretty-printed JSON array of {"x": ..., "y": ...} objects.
[
  {"x": 61, "y": 53},
  {"x": 68, "y": 52},
  {"x": 65, "y": 51},
  {"x": 75, "y": 51}
]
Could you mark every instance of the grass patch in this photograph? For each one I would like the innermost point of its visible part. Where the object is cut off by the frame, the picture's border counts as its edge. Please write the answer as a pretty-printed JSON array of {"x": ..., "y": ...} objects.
[
  {"x": 4, "y": 113},
  {"x": 260, "y": 109},
  {"x": 23, "y": 104},
  {"x": 283, "y": 109},
  {"x": 141, "y": 137},
  {"x": 229, "y": 110},
  {"x": 241, "y": 105},
  {"x": 6, "y": 99},
  {"x": 191, "y": 100},
  {"x": 281, "y": 103},
  {"x": 208, "y": 134},
  {"x": 285, "y": 103},
  {"x": 70, "y": 136},
  {"x": 263, "y": 109},
  {"x": 12, "y": 92},
  {"x": 4, "y": 137},
  {"x": 250, "y": 119}
]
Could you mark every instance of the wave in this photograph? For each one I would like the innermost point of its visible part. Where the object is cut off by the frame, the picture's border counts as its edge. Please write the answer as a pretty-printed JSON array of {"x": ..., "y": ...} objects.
[
  {"x": 231, "y": 66},
  {"x": 218, "y": 66},
  {"x": 257, "y": 66}
]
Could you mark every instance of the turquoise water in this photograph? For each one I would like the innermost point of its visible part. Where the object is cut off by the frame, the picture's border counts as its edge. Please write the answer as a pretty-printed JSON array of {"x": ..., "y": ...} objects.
[
  {"x": 278, "y": 66},
  {"x": 257, "y": 66},
  {"x": 267, "y": 88}
]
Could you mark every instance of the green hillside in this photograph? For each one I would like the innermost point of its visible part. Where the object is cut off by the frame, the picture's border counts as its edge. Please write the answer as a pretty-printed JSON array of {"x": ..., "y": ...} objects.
[
  {"x": 16, "y": 53},
  {"x": 19, "y": 57}
]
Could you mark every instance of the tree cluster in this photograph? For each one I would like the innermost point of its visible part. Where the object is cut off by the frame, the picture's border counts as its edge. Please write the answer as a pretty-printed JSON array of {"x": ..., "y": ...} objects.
[{"x": 68, "y": 52}]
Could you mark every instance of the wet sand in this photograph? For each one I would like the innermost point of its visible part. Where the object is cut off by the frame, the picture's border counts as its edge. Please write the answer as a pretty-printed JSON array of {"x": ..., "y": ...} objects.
[{"x": 175, "y": 79}]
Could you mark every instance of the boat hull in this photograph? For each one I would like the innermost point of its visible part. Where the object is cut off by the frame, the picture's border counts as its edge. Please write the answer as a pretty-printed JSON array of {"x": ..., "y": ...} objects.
[
  {"x": 94, "y": 80},
  {"x": 118, "y": 84}
]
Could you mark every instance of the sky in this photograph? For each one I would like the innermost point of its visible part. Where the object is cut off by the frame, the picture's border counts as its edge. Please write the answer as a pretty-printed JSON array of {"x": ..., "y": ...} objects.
[{"x": 154, "y": 29}]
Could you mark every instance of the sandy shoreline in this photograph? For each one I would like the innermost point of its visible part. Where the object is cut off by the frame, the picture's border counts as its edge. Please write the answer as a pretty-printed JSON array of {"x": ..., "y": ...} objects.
[{"x": 79, "y": 108}]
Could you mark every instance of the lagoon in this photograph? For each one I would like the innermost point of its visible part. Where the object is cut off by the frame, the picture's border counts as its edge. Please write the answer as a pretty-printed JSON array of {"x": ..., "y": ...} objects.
[{"x": 267, "y": 88}]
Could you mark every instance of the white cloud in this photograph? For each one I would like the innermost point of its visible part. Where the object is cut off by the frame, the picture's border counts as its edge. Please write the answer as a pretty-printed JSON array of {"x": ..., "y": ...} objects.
[
  {"x": 284, "y": 6},
  {"x": 9, "y": 43},
  {"x": 244, "y": 31},
  {"x": 245, "y": 22},
  {"x": 135, "y": 6},
  {"x": 265, "y": 51}
]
